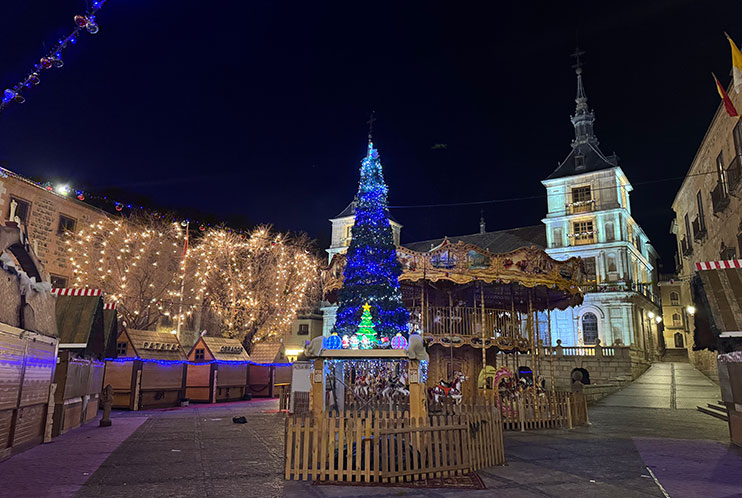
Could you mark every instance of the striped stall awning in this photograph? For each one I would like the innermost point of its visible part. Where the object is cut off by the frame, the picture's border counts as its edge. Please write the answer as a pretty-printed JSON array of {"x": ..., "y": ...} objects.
[
  {"x": 71, "y": 291},
  {"x": 722, "y": 285}
]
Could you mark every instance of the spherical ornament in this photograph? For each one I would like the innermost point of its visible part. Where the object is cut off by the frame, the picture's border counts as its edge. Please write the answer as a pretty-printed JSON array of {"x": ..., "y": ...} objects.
[
  {"x": 48, "y": 186},
  {"x": 399, "y": 342},
  {"x": 354, "y": 342},
  {"x": 332, "y": 342},
  {"x": 80, "y": 197},
  {"x": 32, "y": 80},
  {"x": 11, "y": 95},
  {"x": 202, "y": 227},
  {"x": 184, "y": 223},
  {"x": 46, "y": 62},
  {"x": 119, "y": 207},
  {"x": 57, "y": 61},
  {"x": 91, "y": 27},
  {"x": 81, "y": 21}
]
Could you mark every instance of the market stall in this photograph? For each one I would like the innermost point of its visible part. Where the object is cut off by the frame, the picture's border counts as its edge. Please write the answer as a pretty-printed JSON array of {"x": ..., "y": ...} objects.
[
  {"x": 217, "y": 370},
  {"x": 270, "y": 371}
]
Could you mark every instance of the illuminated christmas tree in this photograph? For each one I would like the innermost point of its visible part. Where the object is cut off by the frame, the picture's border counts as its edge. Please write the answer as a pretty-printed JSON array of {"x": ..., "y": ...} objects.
[
  {"x": 372, "y": 270},
  {"x": 366, "y": 327}
]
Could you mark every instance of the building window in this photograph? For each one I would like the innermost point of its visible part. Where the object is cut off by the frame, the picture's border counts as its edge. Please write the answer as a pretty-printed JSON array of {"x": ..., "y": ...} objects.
[
  {"x": 66, "y": 224},
  {"x": 199, "y": 354},
  {"x": 348, "y": 234},
  {"x": 582, "y": 200},
  {"x": 738, "y": 138},
  {"x": 121, "y": 349},
  {"x": 701, "y": 220},
  {"x": 677, "y": 320},
  {"x": 579, "y": 162},
  {"x": 556, "y": 237},
  {"x": 303, "y": 329},
  {"x": 674, "y": 298},
  {"x": 589, "y": 265},
  {"x": 583, "y": 232},
  {"x": 612, "y": 263},
  {"x": 22, "y": 209},
  {"x": 721, "y": 173},
  {"x": 589, "y": 328},
  {"x": 58, "y": 282},
  {"x": 688, "y": 233},
  {"x": 739, "y": 243},
  {"x": 610, "y": 234}
]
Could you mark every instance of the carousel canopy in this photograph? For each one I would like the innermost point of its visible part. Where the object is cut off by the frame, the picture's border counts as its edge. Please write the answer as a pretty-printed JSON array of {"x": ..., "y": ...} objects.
[{"x": 508, "y": 280}]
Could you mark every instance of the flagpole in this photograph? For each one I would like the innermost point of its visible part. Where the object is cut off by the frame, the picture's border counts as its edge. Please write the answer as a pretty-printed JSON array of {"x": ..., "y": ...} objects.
[{"x": 182, "y": 281}]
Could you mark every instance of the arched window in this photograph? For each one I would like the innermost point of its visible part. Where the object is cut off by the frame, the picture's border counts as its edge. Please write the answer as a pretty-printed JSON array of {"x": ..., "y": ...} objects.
[
  {"x": 674, "y": 298},
  {"x": 677, "y": 321},
  {"x": 589, "y": 328}
]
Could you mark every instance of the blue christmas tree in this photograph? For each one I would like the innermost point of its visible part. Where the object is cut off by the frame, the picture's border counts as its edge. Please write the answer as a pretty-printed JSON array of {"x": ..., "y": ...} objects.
[{"x": 372, "y": 270}]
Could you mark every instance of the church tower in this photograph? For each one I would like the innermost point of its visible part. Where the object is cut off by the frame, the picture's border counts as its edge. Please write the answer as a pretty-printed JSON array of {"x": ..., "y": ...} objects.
[{"x": 589, "y": 215}]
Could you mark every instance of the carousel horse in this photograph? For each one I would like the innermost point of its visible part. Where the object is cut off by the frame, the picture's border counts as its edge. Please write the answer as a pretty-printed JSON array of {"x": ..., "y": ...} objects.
[
  {"x": 448, "y": 389},
  {"x": 361, "y": 386},
  {"x": 507, "y": 392},
  {"x": 395, "y": 387}
]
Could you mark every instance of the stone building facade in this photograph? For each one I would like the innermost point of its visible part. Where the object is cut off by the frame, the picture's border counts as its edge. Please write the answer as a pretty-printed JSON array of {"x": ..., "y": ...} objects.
[
  {"x": 708, "y": 210},
  {"x": 45, "y": 215},
  {"x": 589, "y": 215},
  {"x": 675, "y": 317}
]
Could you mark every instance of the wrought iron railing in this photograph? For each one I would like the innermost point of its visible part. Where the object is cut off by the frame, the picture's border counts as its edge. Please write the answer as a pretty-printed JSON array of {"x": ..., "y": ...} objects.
[
  {"x": 463, "y": 321},
  {"x": 719, "y": 198}
]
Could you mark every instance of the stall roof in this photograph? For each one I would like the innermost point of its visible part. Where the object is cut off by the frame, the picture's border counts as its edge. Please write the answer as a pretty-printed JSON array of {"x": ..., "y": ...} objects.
[
  {"x": 151, "y": 345},
  {"x": 224, "y": 349},
  {"x": 80, "y": 322},
  {"x": 268, "y": 352},
  {"x": 719, "y": 289}
]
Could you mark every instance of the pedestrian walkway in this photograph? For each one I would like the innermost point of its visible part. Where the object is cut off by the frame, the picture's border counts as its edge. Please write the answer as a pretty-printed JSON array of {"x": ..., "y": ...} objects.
[{"x": 675, "y": 385}]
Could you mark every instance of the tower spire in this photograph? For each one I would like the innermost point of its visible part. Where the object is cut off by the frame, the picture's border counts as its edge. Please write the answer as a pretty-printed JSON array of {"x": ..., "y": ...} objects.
[{"x": 583, "y": 118}]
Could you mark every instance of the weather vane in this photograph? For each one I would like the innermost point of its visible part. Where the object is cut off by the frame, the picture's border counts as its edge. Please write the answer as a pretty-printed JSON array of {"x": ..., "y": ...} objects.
[{"x": 578, "y": 63}]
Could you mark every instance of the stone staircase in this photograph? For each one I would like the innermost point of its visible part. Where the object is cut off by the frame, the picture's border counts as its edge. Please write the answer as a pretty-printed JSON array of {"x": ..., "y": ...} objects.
[
  {"x": 675, "y": 355},
  {"x": 717, "y": 410}
]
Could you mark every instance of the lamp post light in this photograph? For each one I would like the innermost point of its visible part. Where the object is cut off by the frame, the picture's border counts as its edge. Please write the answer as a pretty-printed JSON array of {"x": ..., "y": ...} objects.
[{"x": 691, "y": 310}]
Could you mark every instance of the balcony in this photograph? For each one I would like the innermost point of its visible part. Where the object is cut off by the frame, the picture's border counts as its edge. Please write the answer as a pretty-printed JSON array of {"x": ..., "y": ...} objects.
[
  {"x": 719, "y": 198},
  {"x": 687, "y": 246},
  {"x": 457, "y": 322},
  {"x": 699, "y": 228},
  {"x": 734, "y": 173},
  {"x": 581, "y": 207}
]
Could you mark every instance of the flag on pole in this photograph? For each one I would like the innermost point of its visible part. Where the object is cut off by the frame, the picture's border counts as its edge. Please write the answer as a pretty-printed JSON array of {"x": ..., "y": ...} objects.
[
  {"x": 725, "y": 98},
  {"x": 736, "y": 64}
]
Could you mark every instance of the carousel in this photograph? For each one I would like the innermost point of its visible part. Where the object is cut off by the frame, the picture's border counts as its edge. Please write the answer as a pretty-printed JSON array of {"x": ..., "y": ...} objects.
[{"x": 484, "y": 319}]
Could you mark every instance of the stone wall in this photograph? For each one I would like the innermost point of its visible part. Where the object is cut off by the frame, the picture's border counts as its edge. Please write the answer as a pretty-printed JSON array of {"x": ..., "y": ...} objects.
[
  {"x": 705, "y": 362},
  {"x": 45, "y": 209}
]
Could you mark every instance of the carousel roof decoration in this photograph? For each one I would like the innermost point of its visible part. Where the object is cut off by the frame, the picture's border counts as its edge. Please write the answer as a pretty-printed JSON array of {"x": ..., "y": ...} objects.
[{"x": 462, "y": 263}]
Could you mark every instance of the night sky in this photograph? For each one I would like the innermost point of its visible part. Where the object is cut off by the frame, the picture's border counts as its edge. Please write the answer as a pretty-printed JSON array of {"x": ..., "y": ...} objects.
[{"x": 255, "y": 111}]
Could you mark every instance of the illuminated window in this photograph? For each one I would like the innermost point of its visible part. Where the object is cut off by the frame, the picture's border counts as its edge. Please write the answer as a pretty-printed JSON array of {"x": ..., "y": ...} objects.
[
  {"x": 121, "y": 348},
  {"x": 589, "y": 328},
  {"x": 66, "y": 224},
  {"x": 677, "y": 321},
  {"x": 58, "y": 282},
  {"x": 674, "y": 298},
  {"x": 583, "y": 232},
  {"x": 199, "y": 354}
]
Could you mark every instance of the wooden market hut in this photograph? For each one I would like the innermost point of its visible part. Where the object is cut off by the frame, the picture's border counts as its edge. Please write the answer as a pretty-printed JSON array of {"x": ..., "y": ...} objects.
[
  {"x": 110, "y": 329},
  {"x": 269, "y": 371},
  {"x": 80, "y": 367},
  {"x": 149, "y": 372},
  {"x": 222, "y": 372}
]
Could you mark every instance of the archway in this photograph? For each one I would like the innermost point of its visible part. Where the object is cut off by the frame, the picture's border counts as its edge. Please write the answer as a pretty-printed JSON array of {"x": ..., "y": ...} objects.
[
  {"x": 585, "y": 375},
  {"x": 679, "y": 340}
]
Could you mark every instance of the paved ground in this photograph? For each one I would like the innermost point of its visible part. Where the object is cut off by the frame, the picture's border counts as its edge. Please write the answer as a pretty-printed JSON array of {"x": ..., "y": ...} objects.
[
  {"x": 667, "y": 385},
  {"x": 198, "y": 451}
]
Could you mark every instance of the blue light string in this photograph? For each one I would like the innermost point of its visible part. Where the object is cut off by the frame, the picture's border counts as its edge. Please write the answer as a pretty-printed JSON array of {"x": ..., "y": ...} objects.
[{"x": 196, "y": 363}]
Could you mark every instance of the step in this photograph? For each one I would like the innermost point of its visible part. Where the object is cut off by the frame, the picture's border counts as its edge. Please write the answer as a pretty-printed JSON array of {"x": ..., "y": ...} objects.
[
  {"x": 713, "y": 413},
  {"x": 720, "y": 408}
]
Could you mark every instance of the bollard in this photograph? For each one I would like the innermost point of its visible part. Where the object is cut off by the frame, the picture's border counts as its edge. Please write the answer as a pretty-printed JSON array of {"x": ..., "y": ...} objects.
[{"x": 107, "y": 397}]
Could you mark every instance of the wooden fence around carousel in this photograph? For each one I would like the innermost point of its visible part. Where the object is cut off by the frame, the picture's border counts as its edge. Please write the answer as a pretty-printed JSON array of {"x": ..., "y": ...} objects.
[
  {"x": 545, "y": 411},
  {"x": 392, "y": 447}
]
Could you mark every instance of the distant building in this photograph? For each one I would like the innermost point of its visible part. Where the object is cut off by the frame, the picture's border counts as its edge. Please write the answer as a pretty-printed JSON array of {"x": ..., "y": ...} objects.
[
  {"x": 674, "y": 315},
  {"x": 305, "y": 327},
  {"x": 708, "y": 212},
  {"x": 45, "y": 215},
  {"x": 341, "y": 230}
]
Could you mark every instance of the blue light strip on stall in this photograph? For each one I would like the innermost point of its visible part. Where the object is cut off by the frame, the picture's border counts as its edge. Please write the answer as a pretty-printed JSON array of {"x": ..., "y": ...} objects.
[{"x": 196, "y": 363}]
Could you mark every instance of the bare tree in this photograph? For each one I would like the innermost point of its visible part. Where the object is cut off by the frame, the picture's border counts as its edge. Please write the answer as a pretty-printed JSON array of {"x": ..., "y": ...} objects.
[
  {"x": 136, "y": 261},
  {"x": 251, "y": 286}
]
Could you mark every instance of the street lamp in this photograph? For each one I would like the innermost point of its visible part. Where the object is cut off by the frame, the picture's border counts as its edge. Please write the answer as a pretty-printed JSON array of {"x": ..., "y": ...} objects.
[
  {"x": 691, "y": 310},
  {"x": 658, "y": 319},
  {"x": 650, "y": 314}
]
